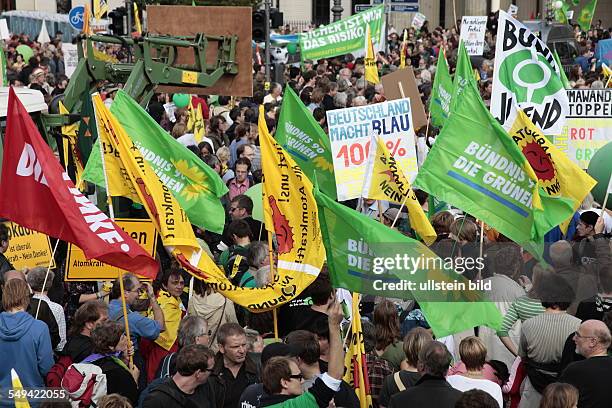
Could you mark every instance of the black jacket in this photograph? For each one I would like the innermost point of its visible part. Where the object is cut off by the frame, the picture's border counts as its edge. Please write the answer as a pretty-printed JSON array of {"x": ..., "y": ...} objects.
[
  {"x": 118, "y": 379},
  {"x": 430, "y": 391},
  {"x": 46, "y": 315},
  {"x": 168, "y": 395},
  {"x": 218, "y": 383}
]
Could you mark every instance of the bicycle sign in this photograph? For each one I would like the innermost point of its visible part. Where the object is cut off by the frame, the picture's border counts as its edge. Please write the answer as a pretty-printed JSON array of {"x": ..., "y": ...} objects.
[{"x": 75, "y": 17}]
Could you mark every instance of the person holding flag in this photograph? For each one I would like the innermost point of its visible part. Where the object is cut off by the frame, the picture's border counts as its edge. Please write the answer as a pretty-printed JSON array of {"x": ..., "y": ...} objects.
[{"x": 282, "y": 379}]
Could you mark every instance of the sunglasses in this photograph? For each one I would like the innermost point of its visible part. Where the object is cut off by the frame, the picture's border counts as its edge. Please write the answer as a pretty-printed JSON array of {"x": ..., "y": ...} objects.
[{"x": 297, "y": 376}]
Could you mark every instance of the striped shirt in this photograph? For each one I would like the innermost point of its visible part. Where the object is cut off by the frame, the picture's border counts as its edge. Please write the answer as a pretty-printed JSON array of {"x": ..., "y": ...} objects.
[
  {"x": 521, "y": 309},
  {"x": 543, "y": 336}
]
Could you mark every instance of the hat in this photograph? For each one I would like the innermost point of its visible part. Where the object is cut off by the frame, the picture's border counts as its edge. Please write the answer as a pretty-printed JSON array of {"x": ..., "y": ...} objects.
[
  {"x": 589, "y": 218},
  {"x": 391, "y": 213},
  {"x": 278, "y": 350}
]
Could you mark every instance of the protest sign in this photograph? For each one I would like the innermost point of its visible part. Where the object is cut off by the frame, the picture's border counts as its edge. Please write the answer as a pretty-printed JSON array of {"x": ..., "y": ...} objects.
[
  {"x": 344, "y": 36},
  {"x": 71, "y": 58},
  {"x": 350, "y": 131},
  {"x": 473, "y": 33},
  {"x": 27, "y": 248},
  {"x": 418, "y": 20},
  {"x": 589, "y": 124},
  {"x": 79, "y": 268},
  {"x": 402, "y": 84},
  {"x": 526, "y": 75},
  {"x": 5, "y": 34}
]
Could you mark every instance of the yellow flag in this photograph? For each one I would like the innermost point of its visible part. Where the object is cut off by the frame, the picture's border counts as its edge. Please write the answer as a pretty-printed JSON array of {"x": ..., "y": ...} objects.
[
  {"x": 556, "y": 173},
  {"x": 137, "y": 20},
  {"x": 195, "y": 122},
  {"x": 384, "y": 180},
  {"x": 86, "y": 21},
  {"x": 69, "y": 143},
  {"x": 356, "y": 373},
  {"x": 21, "y": 401},
  {"x": 403, "y": 50},
  {"x": 371, "y": 71},
  {"x": 290, "y": 211},
  {"x": 117, "y": 177},
  {"x": 100, "y": 7},
  {"x": 177, "y": 234}
]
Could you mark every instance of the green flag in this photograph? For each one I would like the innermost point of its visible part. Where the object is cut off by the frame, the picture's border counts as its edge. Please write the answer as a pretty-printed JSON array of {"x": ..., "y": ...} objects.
[
  {"x": 476, "y": 166},
  {"x": 463, "y": 75},
  {"x": 3, "y": 79},
  {"x": 586, "y": 16},
  {"x": 304, "y": 139},
  {"x": 88, "y": 132},
  {"x": 360, "y": 254},
  {"x": 561, "y": 13},
  {"x": 562, "y": 75},
  {"x": 196, "y": 186},
  {"x": 439, "y": 103}
]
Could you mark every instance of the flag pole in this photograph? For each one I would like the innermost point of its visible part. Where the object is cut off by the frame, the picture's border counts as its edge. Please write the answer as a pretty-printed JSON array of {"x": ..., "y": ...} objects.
[
  {"x": 109, "y": 200},
  {"x": 380, "y": 211},
  {"x": 274, "y": 311},
  {"x": 605, "y": 202},
  {"x": 400, "y": 210},
  {"x": 46, "y": 276}
]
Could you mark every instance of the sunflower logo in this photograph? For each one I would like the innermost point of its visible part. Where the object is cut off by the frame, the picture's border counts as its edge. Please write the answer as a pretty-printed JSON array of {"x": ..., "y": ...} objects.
[
  {"x": 197, "y": 179},
  {"x": 323, "y": 164}
]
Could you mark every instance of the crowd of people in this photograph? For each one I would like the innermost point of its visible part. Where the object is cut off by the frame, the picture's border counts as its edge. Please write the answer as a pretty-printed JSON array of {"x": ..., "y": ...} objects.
[{"x": 197, "y": 348}]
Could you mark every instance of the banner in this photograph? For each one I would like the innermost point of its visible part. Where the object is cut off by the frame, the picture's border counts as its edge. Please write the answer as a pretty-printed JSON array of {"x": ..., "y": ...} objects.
[
  {"x": 589, "y": 125},
  {"x": 79, "y": 268},
  {"x": 526, "y": 74},
  {"x": 344, "y": 36},
  {"x": 350, "y": 131},
  {"x": 473, "y": 33},
  {"x": 28, "y": 248}
]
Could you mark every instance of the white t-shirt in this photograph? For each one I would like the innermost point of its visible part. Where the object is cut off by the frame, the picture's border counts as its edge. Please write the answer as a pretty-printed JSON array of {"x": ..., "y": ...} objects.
[{"x": 461, "y": 383}]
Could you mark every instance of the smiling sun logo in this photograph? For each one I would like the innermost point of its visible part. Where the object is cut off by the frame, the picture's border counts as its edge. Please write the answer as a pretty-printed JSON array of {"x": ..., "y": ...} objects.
[{"x": 535, "y": 148}]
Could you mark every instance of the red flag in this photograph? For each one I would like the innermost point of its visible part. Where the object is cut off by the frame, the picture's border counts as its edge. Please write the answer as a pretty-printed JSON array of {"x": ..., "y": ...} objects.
[{"x": 36, "y": 193}]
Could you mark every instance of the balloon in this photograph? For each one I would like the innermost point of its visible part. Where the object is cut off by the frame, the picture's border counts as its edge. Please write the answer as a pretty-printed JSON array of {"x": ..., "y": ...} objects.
[
  {"x": 180, "y": 100},
  {"x": 25, "y": 51},
  {"x": 292, "y": 48},
  {"x": 600, "y": 168},
  {"x": 558, "y": 4},
  {"x": 255, "y": 194}
]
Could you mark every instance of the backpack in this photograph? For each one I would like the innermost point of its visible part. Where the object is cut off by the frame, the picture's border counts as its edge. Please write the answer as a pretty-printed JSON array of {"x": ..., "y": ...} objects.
[
  {"x": 57, "y": 372},
  {"x": 85, "y": 384}
]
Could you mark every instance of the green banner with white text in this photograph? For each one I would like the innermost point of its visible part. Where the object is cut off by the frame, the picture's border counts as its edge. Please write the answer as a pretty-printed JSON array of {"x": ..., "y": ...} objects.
[{"x": 344, "y": 36}]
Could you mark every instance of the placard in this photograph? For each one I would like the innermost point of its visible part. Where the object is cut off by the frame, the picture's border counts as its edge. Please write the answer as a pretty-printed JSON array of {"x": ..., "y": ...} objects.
[
  {"x": 79, "y": 268},
  {"x": 589, "y": 124},
  {"x": 28, "y": 248},
  {"x": 350, "y": 132},
  {"x": 473, "y": 33},
  {"x": 71, "y": 58},
  {"x": 403, "y": 80}
]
